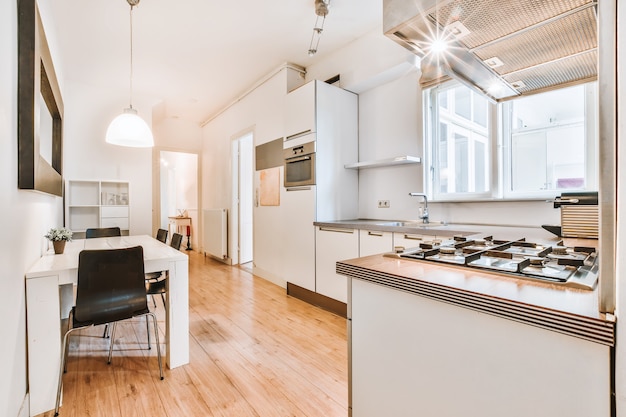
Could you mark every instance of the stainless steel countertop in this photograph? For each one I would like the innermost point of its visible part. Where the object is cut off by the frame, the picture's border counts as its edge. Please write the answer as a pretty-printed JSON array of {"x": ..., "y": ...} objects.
[{"x": 535, "y": 234}]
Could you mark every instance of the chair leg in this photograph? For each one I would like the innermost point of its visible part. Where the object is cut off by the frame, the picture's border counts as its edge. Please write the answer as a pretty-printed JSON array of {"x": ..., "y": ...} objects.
[
  {"x": 62, "y": 368},
  {"x": 158, "y": 343},
  {"x": 153, "y": 302},
  {"x": 105, "y": 334},
  {"x": 113, "y": 325},
  {"x": 148, "y": 331},
  {"x": 164, "y": 304}
]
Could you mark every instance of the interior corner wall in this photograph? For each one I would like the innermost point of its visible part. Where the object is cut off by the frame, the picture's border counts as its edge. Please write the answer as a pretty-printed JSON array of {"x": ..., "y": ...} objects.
[{"x": 25, "y": 217}]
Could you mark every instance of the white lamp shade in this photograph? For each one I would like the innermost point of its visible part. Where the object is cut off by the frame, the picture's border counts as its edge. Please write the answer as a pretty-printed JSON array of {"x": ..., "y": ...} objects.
[{"x": 128, "y": 129}]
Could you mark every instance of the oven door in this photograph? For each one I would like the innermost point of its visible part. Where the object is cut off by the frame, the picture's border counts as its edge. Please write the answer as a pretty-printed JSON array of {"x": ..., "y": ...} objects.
[{"x": 300, "y": 170}]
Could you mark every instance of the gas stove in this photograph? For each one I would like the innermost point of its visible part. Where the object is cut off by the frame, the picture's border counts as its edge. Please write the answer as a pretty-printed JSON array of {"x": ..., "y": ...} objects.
[{"x": 574, "y": 267}]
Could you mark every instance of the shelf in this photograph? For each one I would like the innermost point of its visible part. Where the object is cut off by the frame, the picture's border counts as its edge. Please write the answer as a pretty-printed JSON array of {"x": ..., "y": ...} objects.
[{"x": 398, "y": 160}]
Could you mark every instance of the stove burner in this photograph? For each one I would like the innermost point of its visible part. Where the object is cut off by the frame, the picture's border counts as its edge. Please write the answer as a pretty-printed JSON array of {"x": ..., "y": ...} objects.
[
  {"x": 447, "y": 251},
  {"x": 559, "y": 250}
]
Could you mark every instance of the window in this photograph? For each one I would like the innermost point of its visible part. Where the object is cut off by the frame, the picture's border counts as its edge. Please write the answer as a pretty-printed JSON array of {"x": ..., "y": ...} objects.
[
  {"x": 545, "y": 143},
  {"x": 460, "y": 147}
]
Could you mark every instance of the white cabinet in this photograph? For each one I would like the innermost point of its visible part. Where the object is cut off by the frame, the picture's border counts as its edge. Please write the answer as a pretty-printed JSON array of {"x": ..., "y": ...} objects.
[
  {"x": 373, "y": 242},
  {"x": 410, "y": 240},
  {"x": 92, "y": 204},
  {"x": 300, "y": 115},
  {"x": 332, "y": 245},
  {"x": 328, "y": 115},
  {"x": 411, "y": 355},
  {"x": 298, "y": 240}
]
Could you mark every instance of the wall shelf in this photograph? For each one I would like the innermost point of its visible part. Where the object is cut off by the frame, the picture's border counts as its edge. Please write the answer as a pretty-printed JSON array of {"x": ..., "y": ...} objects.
[{"x": 398, "y": 160}]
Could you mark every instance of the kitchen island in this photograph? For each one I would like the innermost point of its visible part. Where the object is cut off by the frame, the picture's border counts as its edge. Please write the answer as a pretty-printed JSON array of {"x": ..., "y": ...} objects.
[{"x": 428, "y": 339}]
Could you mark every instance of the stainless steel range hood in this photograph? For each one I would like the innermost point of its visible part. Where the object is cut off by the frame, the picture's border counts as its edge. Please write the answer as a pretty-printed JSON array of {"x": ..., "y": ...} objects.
[{"x": 504, "y": 48}]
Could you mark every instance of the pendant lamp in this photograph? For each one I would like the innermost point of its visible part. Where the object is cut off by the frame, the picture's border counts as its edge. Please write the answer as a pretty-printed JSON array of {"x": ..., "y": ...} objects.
[{"x": 128, "y": 129}]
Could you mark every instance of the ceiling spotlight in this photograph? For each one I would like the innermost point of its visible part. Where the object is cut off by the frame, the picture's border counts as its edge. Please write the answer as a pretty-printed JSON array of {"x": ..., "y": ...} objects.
[{"x": 321, "y": 10}]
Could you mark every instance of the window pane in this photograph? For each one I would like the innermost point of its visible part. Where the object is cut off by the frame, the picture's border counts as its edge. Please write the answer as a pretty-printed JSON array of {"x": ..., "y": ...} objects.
[
  {"x": 548, "y": 141},
  {"x": 480, "y": 110},
  {"x": 462, "y": 102},
  {"x": 480, "y": 164},
  {"x": 461, "y": 163}
]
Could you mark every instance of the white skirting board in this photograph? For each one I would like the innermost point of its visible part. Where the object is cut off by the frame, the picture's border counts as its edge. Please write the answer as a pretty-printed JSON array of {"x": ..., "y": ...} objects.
[{"x": 215, "y": 236}]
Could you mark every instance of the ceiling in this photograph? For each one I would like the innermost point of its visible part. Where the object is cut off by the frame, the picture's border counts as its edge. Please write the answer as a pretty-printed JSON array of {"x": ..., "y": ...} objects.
[{"x": 197, "y": 56}]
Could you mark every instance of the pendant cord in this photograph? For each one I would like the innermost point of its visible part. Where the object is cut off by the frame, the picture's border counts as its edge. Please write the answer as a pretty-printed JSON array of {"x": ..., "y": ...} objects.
[{"x": 131, "y": 56}]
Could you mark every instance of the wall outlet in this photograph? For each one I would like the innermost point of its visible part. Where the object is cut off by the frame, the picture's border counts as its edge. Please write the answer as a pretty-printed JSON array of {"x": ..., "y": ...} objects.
[{"x": 383, "y": 204}]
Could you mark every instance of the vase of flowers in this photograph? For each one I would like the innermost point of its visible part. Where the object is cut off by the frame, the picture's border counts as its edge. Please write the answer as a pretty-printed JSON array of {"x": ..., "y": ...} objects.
[{"x": 59, "y": 237}]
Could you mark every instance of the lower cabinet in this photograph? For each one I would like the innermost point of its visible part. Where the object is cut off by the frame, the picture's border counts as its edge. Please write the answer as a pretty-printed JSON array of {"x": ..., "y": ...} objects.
[
  {"x": 410, "y": 240},
  {"x": 372, "y": 242},
  {"x": 332, "y": 245}
]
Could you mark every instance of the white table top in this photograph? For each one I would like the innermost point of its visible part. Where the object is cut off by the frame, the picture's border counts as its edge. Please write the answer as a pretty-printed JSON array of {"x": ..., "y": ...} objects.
[{"x": 154, "y": 251}]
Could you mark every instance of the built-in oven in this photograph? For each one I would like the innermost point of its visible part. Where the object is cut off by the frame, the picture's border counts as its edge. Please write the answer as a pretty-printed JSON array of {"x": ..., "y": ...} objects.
[{"x": 300, "y": 165}]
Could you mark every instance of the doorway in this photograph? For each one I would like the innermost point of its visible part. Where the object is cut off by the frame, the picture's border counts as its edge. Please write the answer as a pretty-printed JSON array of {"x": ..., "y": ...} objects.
[
  {"x": 243, "y": 201},
  {"x": 178, "y": 195}
]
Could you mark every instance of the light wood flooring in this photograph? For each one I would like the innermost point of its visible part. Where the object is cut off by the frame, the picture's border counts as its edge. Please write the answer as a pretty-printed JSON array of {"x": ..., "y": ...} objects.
[{"x": 254, "y": 351}]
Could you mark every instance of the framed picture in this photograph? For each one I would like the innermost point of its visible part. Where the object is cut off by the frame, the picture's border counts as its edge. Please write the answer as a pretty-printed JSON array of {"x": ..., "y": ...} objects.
[{"x": 40, "y": 107}]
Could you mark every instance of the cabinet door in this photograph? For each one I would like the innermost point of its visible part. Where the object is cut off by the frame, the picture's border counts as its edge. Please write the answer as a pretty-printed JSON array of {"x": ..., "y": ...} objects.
[
  {"x": 300, "y": 111},
  {"x": 373, "y": 242},
  {"x": 410, "y": 240},
  {"x": 332, "y": 245},
  {"x": 298, "y": 237}
]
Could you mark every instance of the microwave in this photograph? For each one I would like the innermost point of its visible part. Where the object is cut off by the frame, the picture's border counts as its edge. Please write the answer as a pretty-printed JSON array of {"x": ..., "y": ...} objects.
[{"x": 300, "y": 165}]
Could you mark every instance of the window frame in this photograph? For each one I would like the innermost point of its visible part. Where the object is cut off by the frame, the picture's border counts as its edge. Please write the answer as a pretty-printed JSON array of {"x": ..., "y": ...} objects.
[{"x": 499, "y": 138}]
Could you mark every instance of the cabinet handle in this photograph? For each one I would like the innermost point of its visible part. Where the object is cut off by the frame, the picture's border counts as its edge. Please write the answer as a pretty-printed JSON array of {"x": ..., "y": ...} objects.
[
  {"x": 297, "y": 135},
  {"x": 297, "y": 188},
  {"x": 412, "y": 237},
  {"x": 329, "y": 229},
  {"x": 379, "y": 234}
]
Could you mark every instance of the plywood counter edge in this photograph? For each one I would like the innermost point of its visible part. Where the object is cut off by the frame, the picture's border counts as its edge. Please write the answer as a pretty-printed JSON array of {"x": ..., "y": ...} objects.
[{"x": 568, "y": 311}]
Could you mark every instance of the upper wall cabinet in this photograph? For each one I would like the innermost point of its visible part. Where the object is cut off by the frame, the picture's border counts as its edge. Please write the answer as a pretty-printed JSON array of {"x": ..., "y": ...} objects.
[{"x": 300, "y": 114}]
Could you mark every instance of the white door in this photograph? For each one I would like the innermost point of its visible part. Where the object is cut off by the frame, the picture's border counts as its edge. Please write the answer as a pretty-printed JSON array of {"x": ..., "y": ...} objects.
[{"x": 243, "y": 197}]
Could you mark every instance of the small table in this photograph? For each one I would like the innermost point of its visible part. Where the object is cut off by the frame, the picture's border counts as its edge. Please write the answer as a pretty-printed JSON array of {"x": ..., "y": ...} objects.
[
  {"x": 179, "y": 225},
  {"x": 50, "y": 296}
]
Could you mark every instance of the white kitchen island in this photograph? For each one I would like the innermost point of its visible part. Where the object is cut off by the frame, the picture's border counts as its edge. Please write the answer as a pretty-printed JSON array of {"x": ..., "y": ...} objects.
[{"x": 432, "y": 340}]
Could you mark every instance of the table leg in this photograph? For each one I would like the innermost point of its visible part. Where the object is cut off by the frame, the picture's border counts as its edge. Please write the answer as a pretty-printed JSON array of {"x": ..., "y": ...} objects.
[
  {"x": 44, "y": 341},
  {"x": 177, "y": 318}
]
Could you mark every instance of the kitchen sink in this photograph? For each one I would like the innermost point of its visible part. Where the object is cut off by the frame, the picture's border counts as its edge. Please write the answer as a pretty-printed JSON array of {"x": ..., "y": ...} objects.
[{"x": 412, "y": 224}]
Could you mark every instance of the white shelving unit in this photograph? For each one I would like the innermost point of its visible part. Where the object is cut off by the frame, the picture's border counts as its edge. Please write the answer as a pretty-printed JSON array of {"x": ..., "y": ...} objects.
[{"x": 97, "y": 204}]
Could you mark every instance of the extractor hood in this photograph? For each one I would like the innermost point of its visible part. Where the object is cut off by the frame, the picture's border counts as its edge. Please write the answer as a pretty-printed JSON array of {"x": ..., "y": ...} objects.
[{"x": 503, "y": 48}]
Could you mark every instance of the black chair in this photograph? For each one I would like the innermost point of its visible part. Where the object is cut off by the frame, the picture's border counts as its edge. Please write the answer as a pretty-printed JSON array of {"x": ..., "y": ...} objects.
[
  {"x": 155, "y": 281},
  {"x": 161, "y": 235},
  {"x": 111, "y": 288},
  {"x": 103, "y": 232}
]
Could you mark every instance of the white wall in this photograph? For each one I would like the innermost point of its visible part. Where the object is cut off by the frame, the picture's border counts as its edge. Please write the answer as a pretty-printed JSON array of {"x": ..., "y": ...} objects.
[
  {"x": 262, "y": 113},
  {"x": 25, "y": 218}
]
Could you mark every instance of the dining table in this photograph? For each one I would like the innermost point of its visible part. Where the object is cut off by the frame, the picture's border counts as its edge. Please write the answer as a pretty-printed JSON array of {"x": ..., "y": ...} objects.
[{"x": 50, "y": 293}]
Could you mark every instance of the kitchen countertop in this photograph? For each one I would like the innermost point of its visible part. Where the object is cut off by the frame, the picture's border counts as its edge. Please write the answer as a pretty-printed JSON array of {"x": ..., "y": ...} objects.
[
  {"x": 534, "y": 234},
  {"x": 538, "y": 303}
]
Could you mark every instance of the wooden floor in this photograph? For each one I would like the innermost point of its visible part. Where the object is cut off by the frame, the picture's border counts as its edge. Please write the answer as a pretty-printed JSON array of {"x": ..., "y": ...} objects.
[{"x": 254, "y": 351}]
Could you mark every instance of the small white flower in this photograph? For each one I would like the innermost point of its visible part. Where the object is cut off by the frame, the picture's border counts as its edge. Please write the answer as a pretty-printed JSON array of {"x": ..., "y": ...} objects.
[{"x": 56, "y": 235}]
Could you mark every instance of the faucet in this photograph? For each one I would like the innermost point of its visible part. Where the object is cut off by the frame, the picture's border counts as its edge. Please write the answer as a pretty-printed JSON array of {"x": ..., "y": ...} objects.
[{"x": 424, "y": 215}]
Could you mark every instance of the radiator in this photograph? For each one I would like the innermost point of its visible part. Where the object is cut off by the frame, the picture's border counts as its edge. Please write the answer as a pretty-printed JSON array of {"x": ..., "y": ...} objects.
[{"x": 215, "y": 236}]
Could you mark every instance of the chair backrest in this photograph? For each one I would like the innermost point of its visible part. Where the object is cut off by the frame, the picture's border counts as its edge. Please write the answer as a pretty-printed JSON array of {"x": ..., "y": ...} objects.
[
  {"x": 111, "y": 285},
  {"x": 103, "y": 232},
  {"x": 177, "y": 239},
  {"x": 162, "y": 235}
]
